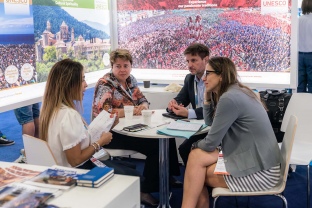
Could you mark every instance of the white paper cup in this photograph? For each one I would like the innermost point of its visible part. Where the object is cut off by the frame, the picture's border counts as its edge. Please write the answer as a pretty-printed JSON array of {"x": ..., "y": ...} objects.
[
  {"x": 147, "y": 116},
  {"x": 128, "y": 109}
]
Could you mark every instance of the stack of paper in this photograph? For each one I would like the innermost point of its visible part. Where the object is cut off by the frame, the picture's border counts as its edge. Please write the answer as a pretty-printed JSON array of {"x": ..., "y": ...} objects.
[
  {"x": 184, "y": 126},
  {"x": 184, "y": 130},
  {"x": 95, "y": 177},
  {"x": 102, "y": 123}
]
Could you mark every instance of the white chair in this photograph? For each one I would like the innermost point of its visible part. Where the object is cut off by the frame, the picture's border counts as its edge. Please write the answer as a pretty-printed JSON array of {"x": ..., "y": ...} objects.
[
  {"x": 38, "y": 151},
  {"x": 300, "y": 105},
  {"x": 279, "y": 188}
]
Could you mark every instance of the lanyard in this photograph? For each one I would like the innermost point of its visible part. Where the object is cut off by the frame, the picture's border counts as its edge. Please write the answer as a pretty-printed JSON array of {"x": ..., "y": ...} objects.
[
  {"x": 127, "y": 91},
  {"x": 196, "y": 94}
]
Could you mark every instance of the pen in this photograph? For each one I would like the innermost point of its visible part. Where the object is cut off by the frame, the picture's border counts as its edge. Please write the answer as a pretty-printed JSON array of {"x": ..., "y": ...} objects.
[
  {"x": 162, "y": 124},
  {"x": 183, "y": 119}
]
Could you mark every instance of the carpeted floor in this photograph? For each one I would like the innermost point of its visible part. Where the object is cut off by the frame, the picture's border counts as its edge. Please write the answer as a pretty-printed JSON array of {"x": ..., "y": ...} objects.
[{"x": 295, "y": 191}]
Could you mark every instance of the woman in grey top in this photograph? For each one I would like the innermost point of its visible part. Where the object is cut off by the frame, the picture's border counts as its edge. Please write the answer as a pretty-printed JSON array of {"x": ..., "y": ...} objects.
[{"x": 239, "y": 122}]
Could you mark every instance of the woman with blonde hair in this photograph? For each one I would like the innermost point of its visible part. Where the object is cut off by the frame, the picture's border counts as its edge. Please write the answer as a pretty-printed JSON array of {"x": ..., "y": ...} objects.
[
  {"x": 61, "y": 124},
  {"x": 239, "y": 122}
]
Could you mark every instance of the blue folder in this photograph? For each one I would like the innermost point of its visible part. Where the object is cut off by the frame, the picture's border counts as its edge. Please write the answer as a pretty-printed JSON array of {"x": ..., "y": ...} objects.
[{"x": 179, "y": 133}]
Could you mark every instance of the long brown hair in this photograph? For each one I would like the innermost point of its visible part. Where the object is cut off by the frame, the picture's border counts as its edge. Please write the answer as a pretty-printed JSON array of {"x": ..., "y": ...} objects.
[
  {"x": 64, "y": 86},
  {"x": 225, "y": 67}
]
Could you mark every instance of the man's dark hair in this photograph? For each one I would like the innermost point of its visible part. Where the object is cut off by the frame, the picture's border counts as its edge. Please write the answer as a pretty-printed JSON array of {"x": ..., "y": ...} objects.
[
  {"x": 197, "y": 49},
  {"x": 306, "y": 6}
]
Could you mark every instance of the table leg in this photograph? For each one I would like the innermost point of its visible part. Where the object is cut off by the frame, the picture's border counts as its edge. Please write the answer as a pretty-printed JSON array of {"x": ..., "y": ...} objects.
[{"x": 163, "y": 173}]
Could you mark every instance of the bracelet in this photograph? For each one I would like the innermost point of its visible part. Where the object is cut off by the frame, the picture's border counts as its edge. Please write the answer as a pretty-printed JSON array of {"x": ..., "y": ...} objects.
[
  {"x": 98, "y": 146},
  {"x": 95, "y": 149}
]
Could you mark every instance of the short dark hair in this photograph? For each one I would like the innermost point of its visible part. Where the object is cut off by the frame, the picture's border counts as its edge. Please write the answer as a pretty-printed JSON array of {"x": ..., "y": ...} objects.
[
  {"x": 306, "y": 6},
  {"x": 122, "y": 54},
  {"x": 197, "y": 49}
]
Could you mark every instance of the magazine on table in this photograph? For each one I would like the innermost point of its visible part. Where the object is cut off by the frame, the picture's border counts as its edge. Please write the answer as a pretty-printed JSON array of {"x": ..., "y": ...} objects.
[
  {"x": 15, "y": 174},
  {"x": 55, "y": 178},
  {"x": 19, "y": 196},
  {"x": 55, "y": 192}
]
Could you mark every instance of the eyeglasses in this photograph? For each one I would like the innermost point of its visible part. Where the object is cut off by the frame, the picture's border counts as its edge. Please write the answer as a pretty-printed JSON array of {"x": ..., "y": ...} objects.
[{"x": 208, "y": 72}]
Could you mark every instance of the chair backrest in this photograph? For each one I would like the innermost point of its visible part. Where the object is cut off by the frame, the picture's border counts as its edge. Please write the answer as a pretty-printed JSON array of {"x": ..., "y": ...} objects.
[
  {"x": 38, "y": 151},
  {"x": 300, "y": 105},
  {"x": 286, "y": 147}
]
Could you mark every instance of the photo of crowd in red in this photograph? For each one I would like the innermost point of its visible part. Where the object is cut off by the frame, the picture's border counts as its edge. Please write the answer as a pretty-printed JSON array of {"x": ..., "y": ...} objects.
[
  {"x": 157, "y": 37},
  {"x": 17, "y": 55},
  {"x": 174, "y": 4}
]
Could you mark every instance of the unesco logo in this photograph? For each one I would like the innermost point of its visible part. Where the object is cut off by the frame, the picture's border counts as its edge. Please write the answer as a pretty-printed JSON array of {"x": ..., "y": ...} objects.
[{"x": 16, "y": 1}]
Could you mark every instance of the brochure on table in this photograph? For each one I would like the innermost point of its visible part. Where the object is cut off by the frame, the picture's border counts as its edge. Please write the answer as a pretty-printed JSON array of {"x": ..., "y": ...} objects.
[{"x": 54, "y": 178}]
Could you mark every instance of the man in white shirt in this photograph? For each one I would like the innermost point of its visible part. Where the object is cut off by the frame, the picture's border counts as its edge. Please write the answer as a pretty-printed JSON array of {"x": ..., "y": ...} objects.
[{"x": 192, "y": 92}]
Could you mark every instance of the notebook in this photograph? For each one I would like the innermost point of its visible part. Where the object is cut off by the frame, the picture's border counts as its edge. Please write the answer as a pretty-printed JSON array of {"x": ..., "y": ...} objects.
[{"x": 184, "y": 126}]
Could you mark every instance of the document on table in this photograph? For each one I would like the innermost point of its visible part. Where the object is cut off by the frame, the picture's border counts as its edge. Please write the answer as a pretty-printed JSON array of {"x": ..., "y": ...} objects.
[
  {"x": 184, "y": 126},
  {"x": 102, "y": 123}
]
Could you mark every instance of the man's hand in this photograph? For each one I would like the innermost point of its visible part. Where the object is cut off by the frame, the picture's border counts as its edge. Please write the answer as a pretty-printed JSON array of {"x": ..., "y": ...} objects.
[
  {"x": 171, "y": 103},
  {"x": 180, "y": 110}
]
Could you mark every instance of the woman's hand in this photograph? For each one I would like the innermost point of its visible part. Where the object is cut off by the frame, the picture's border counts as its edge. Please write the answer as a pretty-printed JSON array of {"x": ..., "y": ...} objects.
[
  {"x": 207, "y": 96},
  {"x": 105, "y": 138},
  {"x": 138, "y": 109}
]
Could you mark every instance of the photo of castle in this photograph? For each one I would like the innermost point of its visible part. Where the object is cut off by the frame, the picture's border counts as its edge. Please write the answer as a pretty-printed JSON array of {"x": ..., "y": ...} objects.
[
  {"x": 61, "y": 32},
  {"x": 64, "y": 41}
]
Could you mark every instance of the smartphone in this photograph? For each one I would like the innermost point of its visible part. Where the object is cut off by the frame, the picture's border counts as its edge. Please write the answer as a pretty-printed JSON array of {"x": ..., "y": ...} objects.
[{"x": 135, "y": 127}]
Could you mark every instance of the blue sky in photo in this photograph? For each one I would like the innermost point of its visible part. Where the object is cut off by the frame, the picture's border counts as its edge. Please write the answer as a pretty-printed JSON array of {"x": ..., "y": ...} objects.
[{"x": 16, "y": 24}]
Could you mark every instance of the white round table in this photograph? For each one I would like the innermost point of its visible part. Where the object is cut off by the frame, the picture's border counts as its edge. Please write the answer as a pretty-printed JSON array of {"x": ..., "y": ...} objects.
[{"x": 158, "y": 122}]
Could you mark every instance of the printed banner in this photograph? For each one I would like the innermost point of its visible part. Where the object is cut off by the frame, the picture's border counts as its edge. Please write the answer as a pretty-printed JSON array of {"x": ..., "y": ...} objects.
[
  {"x": 17, "y": 48},
  {"x": 157, "y": 33},
  {"x": 34, "y": 34},
  {"x": 75, "y": 29},
  {"x": 16, "y": 7},
  {"x": 274, "y": 6}
]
